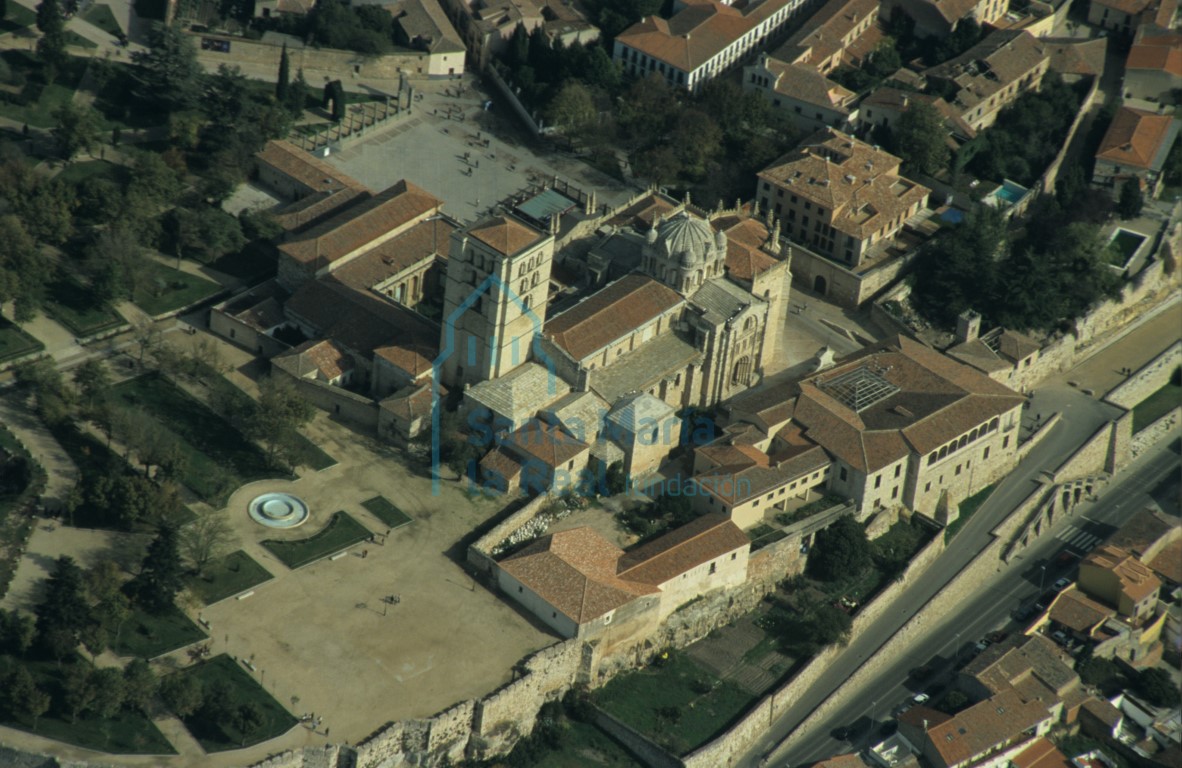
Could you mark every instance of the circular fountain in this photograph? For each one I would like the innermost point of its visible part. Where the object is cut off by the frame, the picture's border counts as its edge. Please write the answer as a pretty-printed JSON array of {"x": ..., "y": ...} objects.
[{"x": 278, "y": 510}]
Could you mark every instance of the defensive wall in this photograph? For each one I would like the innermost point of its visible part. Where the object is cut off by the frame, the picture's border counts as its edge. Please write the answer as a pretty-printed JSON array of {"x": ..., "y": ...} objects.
[
  {"x": 1155, "y": 432},
  {"x": 1148, "y": 379}
]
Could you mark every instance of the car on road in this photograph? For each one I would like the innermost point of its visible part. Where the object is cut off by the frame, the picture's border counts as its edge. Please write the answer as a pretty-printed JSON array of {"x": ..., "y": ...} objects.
[{"x": 1062, "y": 584}]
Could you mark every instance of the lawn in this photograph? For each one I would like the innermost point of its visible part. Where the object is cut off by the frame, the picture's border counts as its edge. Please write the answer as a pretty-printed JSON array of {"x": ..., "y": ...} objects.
[
  {"x": 224, "y": 392},
  {"x": 16, "y": 343},
  {"x": 78, "y": 41},
  {"x": 75, "y": 307},
  {"x": 38, "y": 100},
  {"x": 231, "y": 575},
  {"x": 165, "y": 289},
  {"x": 678, "y": 704},
  {"x": 342, "y": 531},
  {"x": 102, "y": 17},
  {"x": 146, "y": 636},
  {"x": 218, "y": 457},
  {"x": 75, "y": 173},
  {"x": 1156, "y": 405},
  {"x": 382, "y": 509},
  {"x": 967, "y": 508},
  {"x": 16, "y": 16},
  {"x": 223, "y": 734},
  {"x": 127, "y": 733}
]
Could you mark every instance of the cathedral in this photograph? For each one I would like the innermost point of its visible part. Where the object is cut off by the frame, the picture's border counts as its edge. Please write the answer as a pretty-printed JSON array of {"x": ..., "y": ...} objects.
[{"x": 682, "y": 309}]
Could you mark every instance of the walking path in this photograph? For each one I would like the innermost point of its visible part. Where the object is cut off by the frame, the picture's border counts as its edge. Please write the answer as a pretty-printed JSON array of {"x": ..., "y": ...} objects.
[{"x": 16, "y": 414}]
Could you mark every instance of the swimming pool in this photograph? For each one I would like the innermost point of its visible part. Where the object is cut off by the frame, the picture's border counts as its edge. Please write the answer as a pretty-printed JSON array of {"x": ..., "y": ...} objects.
[{"x": 1011, "y": 192}]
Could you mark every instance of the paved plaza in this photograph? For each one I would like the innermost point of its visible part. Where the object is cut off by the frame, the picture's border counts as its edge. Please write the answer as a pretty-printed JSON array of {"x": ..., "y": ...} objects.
[{"x": 433, "y": 148}]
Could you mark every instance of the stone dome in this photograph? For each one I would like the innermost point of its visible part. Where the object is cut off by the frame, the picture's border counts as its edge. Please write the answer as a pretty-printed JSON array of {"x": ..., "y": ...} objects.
[{"x": 687, "y": 238}]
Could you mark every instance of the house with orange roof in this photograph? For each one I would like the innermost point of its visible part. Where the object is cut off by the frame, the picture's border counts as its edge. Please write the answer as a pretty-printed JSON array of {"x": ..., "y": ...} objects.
[
  {"x": 582, "y": 585},
  {"x": 989, "y": 734},
  {"x": 1117, "y": 578},
  {"x": 857, "y": 220},
  {"x": 701, "y": 40},
  {"x": 940, "y": 18},
  {"x": 1134, "y": 149}
]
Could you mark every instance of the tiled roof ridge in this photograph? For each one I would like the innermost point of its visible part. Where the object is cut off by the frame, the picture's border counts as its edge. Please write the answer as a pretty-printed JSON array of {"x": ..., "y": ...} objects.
[{"x": 662, "y": 553}]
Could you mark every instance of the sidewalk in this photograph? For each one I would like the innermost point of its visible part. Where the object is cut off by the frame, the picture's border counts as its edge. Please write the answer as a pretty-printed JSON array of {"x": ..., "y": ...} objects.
[{"x": 16, "y": 416}]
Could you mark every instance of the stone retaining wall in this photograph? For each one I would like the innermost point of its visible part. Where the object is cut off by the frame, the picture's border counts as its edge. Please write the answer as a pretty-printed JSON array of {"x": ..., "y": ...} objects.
[
  {"x": 1150, "y": 378},
  {"x": 1155, "y": 432}
]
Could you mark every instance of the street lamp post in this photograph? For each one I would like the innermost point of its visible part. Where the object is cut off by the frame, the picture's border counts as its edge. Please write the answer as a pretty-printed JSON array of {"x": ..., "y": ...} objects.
[{"x": 1042, "y": 579}]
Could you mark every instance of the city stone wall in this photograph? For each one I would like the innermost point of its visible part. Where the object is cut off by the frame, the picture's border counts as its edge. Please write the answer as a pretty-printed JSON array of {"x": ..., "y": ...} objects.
[
  {"x": 1037, "y": 437},
  {"x": 507, "y": 714},
  {"x": 1155, "y": 432},
  {"x": 308, "y": 757},
  {"x": 649, "y": 753},
  {"x": 1150, "y": 378},
  {"x": 1047, "y": 180},
  {"x": 725, "y": 749}
]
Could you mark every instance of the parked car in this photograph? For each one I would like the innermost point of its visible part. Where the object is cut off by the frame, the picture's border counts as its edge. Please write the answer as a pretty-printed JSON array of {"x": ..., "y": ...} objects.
[
  {"x": 981, "y": 646},
  {"x": 1062, "y": 584},
  {"x": 1059, "y": 637},
  {"x": 920, "y": 698},
  {"x": 996, "y": 637}
]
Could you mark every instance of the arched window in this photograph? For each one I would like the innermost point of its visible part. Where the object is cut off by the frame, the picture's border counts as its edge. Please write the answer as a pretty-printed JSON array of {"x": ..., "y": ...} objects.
[
  {"x": 993, "y": 425},
  {"x": 943, "y": 451},
  {"x": 972, "y": 435},
  {"x": 932, "y": 459},
  {"x": 749, "y": 324},
  {"x": 963, "y": 442}
]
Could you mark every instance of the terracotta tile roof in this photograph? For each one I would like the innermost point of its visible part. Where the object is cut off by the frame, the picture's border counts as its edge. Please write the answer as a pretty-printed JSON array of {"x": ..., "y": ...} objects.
[
  {"x": 1168, "y": 562},
  {"x": 992, "y": 723},
  {"x": 420, "y": 245},
  {"x": 414, "y": 360},
  {"x": 919, "y": 715},
  {"x": 316, "y": 208},
  {"x": 1103, "y": 711},
  {"x": 897, "y": 100},
  {"x": 698, "y": 32},
  {"x": 609, "y": 314},
  {"x": 827, "y": 31},
  {"x": 803, "y": 83},
  {"x": 682, "y": 549},
  {"x": 363, "y": 223},
  {"x": 1036, "y": 658},
  {"x": 739, "y": 482},
  {"x": 362, "y": 322},
  {"x": 305, "y": 168},
  {"x": 1041, "y": 754},
  {"x": 641, "y": 213},
  {"x": 936, "y": 401},
  {"x": 859, "y": 184},
  {"x": 412, "y": 402},
  {"x": 1077, "y": 57},
  {"x": 1137, "y": 581},
  {"x": 1005, "y": 56},
  {"x": 547, "y": 443},
  {"x": 505, "y": 235},
  {"x": 1142, "y": 532},
  {"x": 1136, "y": 138},
  {"x": 851, "y": 760},
  {"x": 324, "y": 357},
  {"x": 1130, "y": 7},
  {"x": 745, "y": 240},
  {"x": 575, "y": 572},
  {"x": 501, "y": 463},
  {"x": 1078, "y": 612}
]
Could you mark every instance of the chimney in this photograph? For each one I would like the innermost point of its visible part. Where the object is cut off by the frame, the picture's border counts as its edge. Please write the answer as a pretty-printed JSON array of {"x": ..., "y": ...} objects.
[
  {"x": 968, "y": 326},
  {"x": 590, "y": 206}
]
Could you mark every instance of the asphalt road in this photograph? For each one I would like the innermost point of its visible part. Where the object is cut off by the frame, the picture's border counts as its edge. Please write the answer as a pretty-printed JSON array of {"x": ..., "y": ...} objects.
[
  {"x": 1082, "y": 416},
  {"x": 951, "y": 643}
]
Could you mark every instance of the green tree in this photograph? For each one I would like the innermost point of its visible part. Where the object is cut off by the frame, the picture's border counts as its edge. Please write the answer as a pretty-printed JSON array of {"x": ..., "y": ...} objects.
[
  {"x": 297, "y": 94},
  {"x": 1098, "y": 672},
  {"x": 206, "y": 539},
  {"x": 168, "y": 70},
  {"x": 182, "y": 694},
  {"x": 1131, "y": 200},
  {"x": 573, "y": 109},
  {"x": 79, "y": 690},
  {"x": 281, "y": 410},
  {"x": 77, "y": 129},
  {"x": 841, "y": 550},
  {"x": 283, "y": 80},
  {"x": 17, "y": 631},
  {"x": 958, "y": 270},
  {"x": 206, "y": 233},
  {"x": 111, "y": 691},
  {"x": 247, "y": 717},
  {"x": 24, "y": 697},
  {"x": 23, "y": 271},
  {"x": 139, "y": 685},
  {"x": 1157, "y": 687},
  {"x": 93, "y": 379},
  {"x": 920, "y": 139},
  {"x": 62, "y": 613},
  {"x": 160, "y": 576},
  {"x": 51, "y": 48}
]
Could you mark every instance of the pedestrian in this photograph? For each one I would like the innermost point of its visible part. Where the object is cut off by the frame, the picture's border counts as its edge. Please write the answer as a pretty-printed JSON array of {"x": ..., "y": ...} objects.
[
  {"x": 326, "y": 733},
  {"x": 364, "y": 553}
]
